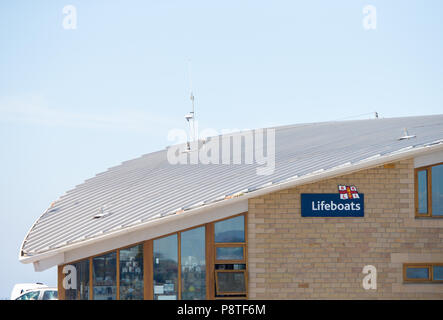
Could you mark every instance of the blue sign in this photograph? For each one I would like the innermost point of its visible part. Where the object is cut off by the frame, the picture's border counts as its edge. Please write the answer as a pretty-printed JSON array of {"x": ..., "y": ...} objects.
[{"x": 330, "y": 205}]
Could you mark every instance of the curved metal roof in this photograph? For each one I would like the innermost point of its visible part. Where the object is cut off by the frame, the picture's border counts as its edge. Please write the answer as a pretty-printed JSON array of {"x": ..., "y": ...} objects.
[{"x": 150, "y": 187}]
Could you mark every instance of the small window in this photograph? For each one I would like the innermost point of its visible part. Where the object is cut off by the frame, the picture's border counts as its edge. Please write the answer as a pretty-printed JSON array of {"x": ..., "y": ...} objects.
[
  {"x": 423, "y": 272},
  {"x": 224, "y": 254},
  {"x": 429, "y": 191},
  {"x": 437, "y": 190},
  {"x": 422, "y": 181},
  {"x": 230, "y": 230},
  {"x": 50, "y": 295},
  {"x": 417, "y": 273},
  {"x": 437, "y": 274},
  {"x": 230, "y": 282}
]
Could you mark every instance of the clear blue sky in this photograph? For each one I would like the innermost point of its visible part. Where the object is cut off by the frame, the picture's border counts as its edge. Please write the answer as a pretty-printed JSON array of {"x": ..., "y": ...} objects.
[{"x": 75, "y": 102}]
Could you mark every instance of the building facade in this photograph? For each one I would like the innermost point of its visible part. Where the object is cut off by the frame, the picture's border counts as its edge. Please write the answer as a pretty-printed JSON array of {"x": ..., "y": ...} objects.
[
  {"x": 365, "y": 229},
  {"x": 272, "y": 252},
  {"x": 292, "y": 257}
]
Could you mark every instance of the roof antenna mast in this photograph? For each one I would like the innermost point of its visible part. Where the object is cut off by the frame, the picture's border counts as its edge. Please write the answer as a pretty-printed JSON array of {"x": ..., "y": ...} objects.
[{"x": 190, "y": 117}]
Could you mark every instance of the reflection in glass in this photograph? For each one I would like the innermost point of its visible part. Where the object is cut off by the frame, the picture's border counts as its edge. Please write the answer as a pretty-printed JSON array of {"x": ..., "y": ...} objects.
[
  {"x": 229, "y": 253},
  {"x": 50, "y": 295},
  {"x": 230, "y": 230},
  {"x": 193, "y": 265},
  {"x": 417, "y": 273},
  {"x": 230, "y": 266},
  {"x": 82, "y": 291},
  {"x": 104, "y": 277},
  {"x": 438, "y": 272},
  {"x": 437, "y": 190},
  {"x": 165, "y": 268},
  {"x": 422, "y": 191},
  {"x": 33, "y": 295},
  {"x": 131, "y": 273}
]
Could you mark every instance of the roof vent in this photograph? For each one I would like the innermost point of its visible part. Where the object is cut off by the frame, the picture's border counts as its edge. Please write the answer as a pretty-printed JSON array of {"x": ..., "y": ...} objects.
[
  {"x": 406, "y": 136},
  {"x": 102, "y": 212}
]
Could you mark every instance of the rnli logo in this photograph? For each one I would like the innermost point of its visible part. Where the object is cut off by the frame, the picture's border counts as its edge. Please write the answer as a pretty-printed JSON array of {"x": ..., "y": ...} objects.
[{"x": 348, "y": 192}]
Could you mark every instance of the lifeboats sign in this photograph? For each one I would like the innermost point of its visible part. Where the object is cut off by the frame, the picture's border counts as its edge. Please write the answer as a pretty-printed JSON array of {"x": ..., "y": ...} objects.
[{"x": 346, "y": 203}]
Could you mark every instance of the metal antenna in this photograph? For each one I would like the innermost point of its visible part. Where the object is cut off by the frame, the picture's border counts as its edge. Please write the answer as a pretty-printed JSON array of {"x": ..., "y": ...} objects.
[
  {"x": 192, "y": 100},
  {"x": 191, "y": 116}
]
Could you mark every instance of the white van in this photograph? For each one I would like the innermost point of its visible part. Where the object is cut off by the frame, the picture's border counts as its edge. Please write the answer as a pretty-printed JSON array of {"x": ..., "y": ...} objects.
[
  {"x": 21, "y": 288},
  {"x": 39, "y": 294}
]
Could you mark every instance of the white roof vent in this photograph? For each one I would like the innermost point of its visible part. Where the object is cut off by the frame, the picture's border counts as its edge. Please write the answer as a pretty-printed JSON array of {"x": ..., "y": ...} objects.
[
  {"x": 102, "y": 212},
  {"x": 406, "y": 136}
]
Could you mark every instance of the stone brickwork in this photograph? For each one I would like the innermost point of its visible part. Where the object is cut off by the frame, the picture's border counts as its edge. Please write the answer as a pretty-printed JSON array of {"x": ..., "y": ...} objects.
[{"x": 290, "y": 257}]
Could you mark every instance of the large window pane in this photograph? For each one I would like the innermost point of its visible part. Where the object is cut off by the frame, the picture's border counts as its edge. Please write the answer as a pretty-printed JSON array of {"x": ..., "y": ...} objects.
[
  {"x": 422, "y": 191},
  {"x": 438, "y": 272},
  {"x": 230, "y": 230},
  {"x": 193, "y": 264},
  {"x": 104, "y": 277},
  {"x": 229, "y": 253},
  {"x": 82, "y": 290},
  {"x": 131, "y": 273},
  {"x": 417, "y": 273},
  {"x": 165, "y": 268},
  {"x": 437, "y": 190}
]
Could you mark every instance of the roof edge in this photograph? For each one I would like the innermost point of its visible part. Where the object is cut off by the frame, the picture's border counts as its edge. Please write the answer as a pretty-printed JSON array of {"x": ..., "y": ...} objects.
[{"x": 346, "y": 168}]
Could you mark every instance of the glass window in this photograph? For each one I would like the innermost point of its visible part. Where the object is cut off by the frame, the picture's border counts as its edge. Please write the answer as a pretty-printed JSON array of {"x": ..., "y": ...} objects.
[
  {"x": 131, "y": 273},
  {"x": 229, "y": 253},
  {"x": 50, "y": 295},
  {"x": 230, "y": 282},
  {"x": 437, "y": 273},
  {"x": 422, "y": 192},
  {"x": 417, "y": 273},
  {"x": 165, "y": 268},
  {"x": 82, "y": 289},
  {"x": 437, "y": 190},
  {"x": 33, "y": 295},
  {"x": 230, "y": 230},
  {"x": 230, "y": 267},
  {"x": 193, "y": 264},
  {"x": 104, "y": 276}
]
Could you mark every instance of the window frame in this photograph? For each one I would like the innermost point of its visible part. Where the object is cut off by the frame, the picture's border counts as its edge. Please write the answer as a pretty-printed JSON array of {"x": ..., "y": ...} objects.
[
  {"x": 429, "y": 266},
  {"x": 217, "y": 288},
  {"x": 215, "y": 294},
  {"x": 428, "y": 170},
  {"x": 148, "y": 251}
]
